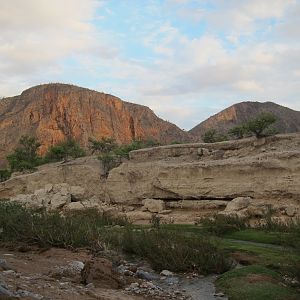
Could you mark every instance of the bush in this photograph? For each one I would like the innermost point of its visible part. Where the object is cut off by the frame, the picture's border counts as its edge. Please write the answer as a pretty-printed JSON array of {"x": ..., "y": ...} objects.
[
  {"x": 105, "y": 145},
  {"x": 111, "y": 157},
  {"x": 238, "y": 131},
  {"x": 4, "y": 175},
  {"x": 212, "y": 136},
  {"x": 109, "y": 161},
  {"x": 260, "y": 124},
  {"x": 37, "y": 226},
  {"x": 25, "y": 156},
  {"x": 175, "y": 251},
  {"x": 222, "y": 224},
  {"x": 64, "y": 150}
]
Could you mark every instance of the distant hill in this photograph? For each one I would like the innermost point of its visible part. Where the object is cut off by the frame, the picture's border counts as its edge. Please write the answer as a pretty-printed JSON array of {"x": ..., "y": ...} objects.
[
  {"x": 288, "y": 119},
  {"x": 53, "y": 112}
]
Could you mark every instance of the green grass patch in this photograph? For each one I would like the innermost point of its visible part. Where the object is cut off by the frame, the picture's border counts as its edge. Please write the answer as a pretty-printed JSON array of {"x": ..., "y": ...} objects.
[
  {"x": 258, "y": 236},
  {"x": 254, "y": 282}
]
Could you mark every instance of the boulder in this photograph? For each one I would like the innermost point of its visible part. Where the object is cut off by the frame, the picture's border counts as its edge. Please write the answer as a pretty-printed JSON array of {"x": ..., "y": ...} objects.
[
  {"x": 290, "y": 210},
  {"x": 237, "y": 204},
  {"x": 74, "y": 206},
  {"x": 154, "y": 206},
  {"x": 77, "y": 193},
  {"x": 58, "y": 201},
  {"x": 99, "y": 271}
]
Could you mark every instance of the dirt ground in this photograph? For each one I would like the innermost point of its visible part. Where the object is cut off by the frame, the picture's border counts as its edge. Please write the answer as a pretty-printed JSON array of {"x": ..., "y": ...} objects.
[{"x": 52, "y": 274}]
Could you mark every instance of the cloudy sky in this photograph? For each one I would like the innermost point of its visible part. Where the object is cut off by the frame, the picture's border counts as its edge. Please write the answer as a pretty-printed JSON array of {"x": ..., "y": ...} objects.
[{"x": 185, "y": 59}]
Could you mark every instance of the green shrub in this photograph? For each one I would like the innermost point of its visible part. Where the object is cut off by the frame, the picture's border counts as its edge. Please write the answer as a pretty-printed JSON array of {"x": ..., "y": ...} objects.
[
  {"x": 238, "y": 131},
  {"x": 212, "y": 136},
  {"x": 105, "y": 145},
  {"x": 260, "y": 125},
  {"x": 37, "y": 226},
  {"x": 25, "y": 156},
  {"x": 222, "y": 224},
  {"x": 175, "y": 251},
  {"x": 4, "y": 175},
  {"x": 111, "y": 156},
  {"x": 64, "y": 150}
]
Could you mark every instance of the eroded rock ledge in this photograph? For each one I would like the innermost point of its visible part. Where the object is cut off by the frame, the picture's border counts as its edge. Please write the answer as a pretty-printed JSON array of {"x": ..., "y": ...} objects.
[{"x": 185, "y": 182}]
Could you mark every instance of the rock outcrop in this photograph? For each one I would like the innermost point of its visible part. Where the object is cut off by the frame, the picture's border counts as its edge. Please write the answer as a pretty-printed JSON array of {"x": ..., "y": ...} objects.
[
  {"x": 53, "y": 112},
  {"x": 85, "y": 172},
  {"x": 206, "y": 177},
  {"x": 180, "y": 183},
  {"x": 288, "y": 119}
]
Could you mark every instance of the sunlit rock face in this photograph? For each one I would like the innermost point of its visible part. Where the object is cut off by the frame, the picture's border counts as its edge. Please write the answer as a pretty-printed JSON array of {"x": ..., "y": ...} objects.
[{"x": 53, "y": 112}]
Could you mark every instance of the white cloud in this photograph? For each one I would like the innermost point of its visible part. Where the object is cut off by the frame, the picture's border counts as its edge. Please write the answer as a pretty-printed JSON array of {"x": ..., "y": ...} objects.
[{"x": 184, "y": 79}]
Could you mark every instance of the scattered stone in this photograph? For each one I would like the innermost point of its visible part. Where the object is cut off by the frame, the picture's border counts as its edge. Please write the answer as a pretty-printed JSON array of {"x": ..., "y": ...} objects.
[
  {"x": 166, "y": 273},
  {"x": 290, "y": 211},
  {"x": 4, "y": 265},
  {"x": 144, "y": 275},
  {"x": 154, "y": 205},
  {"x": 77, "y": 193}
]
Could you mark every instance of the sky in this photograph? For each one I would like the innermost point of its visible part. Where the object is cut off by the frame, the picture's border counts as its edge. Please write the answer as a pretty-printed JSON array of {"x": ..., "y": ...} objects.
[{"x": 185, "y": 59}]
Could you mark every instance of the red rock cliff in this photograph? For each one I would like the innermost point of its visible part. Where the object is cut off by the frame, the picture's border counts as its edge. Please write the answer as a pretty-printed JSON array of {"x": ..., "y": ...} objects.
[{"x": 53, "y": 112}]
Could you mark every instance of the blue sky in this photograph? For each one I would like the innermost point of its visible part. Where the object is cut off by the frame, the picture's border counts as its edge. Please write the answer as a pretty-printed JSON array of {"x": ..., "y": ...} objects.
[{"x": 185, "y": 59}]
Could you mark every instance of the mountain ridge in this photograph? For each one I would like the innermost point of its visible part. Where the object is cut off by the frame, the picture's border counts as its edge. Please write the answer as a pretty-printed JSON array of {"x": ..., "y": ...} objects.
[
  {"x": 54, "y": 112},
  {"x": 288, "y": 120}
]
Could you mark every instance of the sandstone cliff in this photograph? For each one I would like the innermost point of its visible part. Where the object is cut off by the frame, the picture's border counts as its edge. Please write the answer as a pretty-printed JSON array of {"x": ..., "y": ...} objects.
[
  {"x": 183, "y": 182},
  {"x": 288, "y": 119},
  {"x": 53, "y": 112}
]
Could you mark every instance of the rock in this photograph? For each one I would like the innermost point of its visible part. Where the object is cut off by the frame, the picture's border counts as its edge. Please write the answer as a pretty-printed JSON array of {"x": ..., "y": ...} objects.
[
  {"x": 290, "y": 210},
  {"x": 154, "y": 206},
  {"x": 77, "y": 193},
  {"x": 48, "y": 187},
  {"x": 219, "y": 294},
  {"x": 138, "y": 216},
  {"x": 74, "y": 206},
  {"x": 256, "y": 211},
  {"x": 166, "y": 273},
  {"x": 76, "y": 265},
  {"x": 99, "y": 271},
  {"x": 166, "y": 212},
  {"x": 238, "y": 203},
  {"x": 5, "y": 292},
  {"x": 144, "y": 275},
  {"x": 59, "y": 200},
  {"x": 4, "y": 265},
  {"x": 62, "y": 189}
]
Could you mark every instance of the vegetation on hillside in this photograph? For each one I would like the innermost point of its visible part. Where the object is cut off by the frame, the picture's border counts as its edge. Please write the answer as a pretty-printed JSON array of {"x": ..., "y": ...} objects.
[
  {"x": 259, "y": 126},
  {"x": 111, "y": 154},
  {"x": 25, "y": 156},
  {"x": 64, "y": 150},
  {"x": 212, "y": 136}
]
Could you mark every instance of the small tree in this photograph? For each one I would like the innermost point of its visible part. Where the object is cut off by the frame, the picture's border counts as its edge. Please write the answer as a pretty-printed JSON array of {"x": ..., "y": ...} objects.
[
  {"x": 25, "y": 156},
  {"x": 4, "y": 174},
  {"x": 64, "y": 150},
  {"x": 105, "y": 145},
  {"x": 260, "y": 125},
  {"x": 212, "y": 136},
  {"x": 238, "y": 131}
]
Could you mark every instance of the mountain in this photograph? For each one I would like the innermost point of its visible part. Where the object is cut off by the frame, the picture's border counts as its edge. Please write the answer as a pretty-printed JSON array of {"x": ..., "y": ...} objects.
[
  {"x": 288, "y": 119},
  {"x": 53, "y": 112}
]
